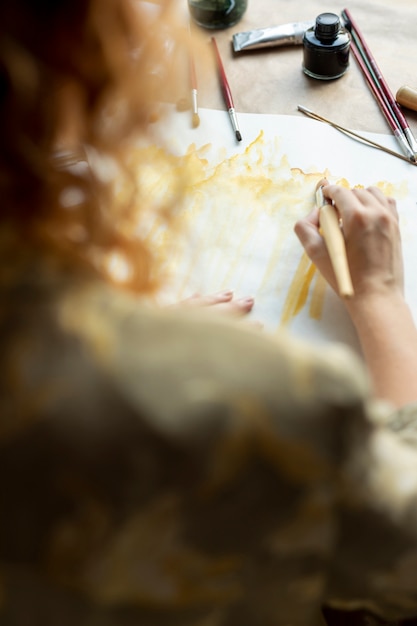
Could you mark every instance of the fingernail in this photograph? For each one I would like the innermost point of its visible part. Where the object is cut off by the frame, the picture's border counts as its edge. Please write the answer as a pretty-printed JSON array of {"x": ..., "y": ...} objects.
[
  {"x": 225, "y": 294},
  {"x": 246, "y": 301}
]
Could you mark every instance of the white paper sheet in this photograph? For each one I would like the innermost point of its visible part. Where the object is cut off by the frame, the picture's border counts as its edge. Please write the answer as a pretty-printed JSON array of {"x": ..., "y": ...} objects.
[{"x": 244, "y": 197}]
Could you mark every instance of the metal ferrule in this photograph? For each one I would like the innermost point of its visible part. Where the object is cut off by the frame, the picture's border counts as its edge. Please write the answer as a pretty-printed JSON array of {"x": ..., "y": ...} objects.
[
  {"x": 404, "y": 144},
  {"x": 194, "y": 100},
  {"x": 411, "y": 141},
  {"x": 233, "y": 118}
]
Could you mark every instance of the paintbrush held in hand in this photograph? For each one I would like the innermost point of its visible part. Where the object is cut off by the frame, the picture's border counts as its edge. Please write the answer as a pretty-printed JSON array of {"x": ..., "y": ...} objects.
[{"x": 335, "y": 242}]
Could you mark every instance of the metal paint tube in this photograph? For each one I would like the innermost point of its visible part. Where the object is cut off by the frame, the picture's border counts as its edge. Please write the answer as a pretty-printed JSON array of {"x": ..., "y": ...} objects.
[{"x": 284, "y": 35}]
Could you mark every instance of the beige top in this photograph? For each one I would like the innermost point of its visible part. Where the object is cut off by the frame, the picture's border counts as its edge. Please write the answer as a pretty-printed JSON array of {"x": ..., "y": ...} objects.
[{"x": 168, "y": 468}]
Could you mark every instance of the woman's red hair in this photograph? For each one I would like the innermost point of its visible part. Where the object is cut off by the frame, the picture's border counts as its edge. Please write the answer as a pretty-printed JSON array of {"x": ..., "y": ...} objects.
[{"x": 81, "y": 76}]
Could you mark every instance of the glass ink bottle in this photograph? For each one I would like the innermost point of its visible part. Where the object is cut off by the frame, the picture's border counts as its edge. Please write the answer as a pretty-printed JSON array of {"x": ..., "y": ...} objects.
[
  {"x": 326, "y": 47},
  {"x": 217, "y": 13}
]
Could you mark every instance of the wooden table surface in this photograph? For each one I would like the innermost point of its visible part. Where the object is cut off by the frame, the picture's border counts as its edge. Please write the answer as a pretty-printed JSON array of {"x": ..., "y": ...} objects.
[{"x": 272, "y": 81}]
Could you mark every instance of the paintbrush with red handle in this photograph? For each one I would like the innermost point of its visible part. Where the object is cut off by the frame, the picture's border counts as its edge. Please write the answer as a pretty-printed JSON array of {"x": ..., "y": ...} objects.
[{"x": 227, "y": 94}]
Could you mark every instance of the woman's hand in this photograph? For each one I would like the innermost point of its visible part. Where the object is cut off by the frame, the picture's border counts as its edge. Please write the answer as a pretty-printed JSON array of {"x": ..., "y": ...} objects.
[
  {"x": 373, "y": 242},
  {"x": 222, "y": 302},
  {"x": 378, "y": 310}
]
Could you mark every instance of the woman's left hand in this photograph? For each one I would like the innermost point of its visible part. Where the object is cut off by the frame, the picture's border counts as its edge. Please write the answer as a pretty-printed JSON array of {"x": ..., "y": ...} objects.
[{"x": 223, "y": 301}]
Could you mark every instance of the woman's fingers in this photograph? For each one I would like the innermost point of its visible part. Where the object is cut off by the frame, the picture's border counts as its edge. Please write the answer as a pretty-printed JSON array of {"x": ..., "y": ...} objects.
[
  {"x": 356, "y": 201},
  {"x": 307, "y": 231},
  {"x": 199, "y": 300},
  {"x": 389, "y": 202},
  {"x": 223, "y": 302},
  {"x": 238, "y": 306}
]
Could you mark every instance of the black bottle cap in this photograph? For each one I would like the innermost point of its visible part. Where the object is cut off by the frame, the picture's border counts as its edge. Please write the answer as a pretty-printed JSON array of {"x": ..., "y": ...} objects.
[{"x": 327, "y": 26}]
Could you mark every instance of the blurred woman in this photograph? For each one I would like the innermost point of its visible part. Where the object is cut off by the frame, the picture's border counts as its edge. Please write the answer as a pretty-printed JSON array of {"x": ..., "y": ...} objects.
[{"x": 171, "y": 467}]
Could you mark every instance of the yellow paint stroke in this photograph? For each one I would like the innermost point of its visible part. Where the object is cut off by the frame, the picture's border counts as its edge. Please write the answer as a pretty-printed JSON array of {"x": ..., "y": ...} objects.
[
  {"x": 302, "y": 297},
  {"x": 317, "y": 297},
  {"x": 298, "y": 291}
]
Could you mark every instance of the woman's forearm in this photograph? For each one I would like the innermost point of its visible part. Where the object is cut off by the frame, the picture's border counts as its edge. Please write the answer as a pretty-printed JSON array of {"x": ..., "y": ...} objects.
[{"x": 388, "y": 337}]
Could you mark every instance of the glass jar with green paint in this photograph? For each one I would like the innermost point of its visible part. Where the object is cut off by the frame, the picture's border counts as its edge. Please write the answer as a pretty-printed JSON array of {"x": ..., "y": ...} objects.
[{"x": 217, "y": 13}]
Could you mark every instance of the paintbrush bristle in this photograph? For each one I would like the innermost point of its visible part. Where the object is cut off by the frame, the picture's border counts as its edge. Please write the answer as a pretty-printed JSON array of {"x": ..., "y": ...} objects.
[
  {"x": 196, "y": 120},
  {"x": 322, "y": 183},
  {"x": 238, "y": 135}
]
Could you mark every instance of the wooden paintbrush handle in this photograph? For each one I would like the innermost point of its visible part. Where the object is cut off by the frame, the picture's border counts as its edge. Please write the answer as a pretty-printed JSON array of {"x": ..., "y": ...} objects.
[
  {"x": 407, "y": 97},
  {"x": 333, "y": 236}
]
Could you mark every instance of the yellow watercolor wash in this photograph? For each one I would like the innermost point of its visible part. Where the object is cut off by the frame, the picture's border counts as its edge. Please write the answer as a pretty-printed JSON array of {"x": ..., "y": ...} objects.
[
  {"x": 232, "y": 214},
  {"x": 298, "y": 291},
  {"x": 317, "y": 298}
]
